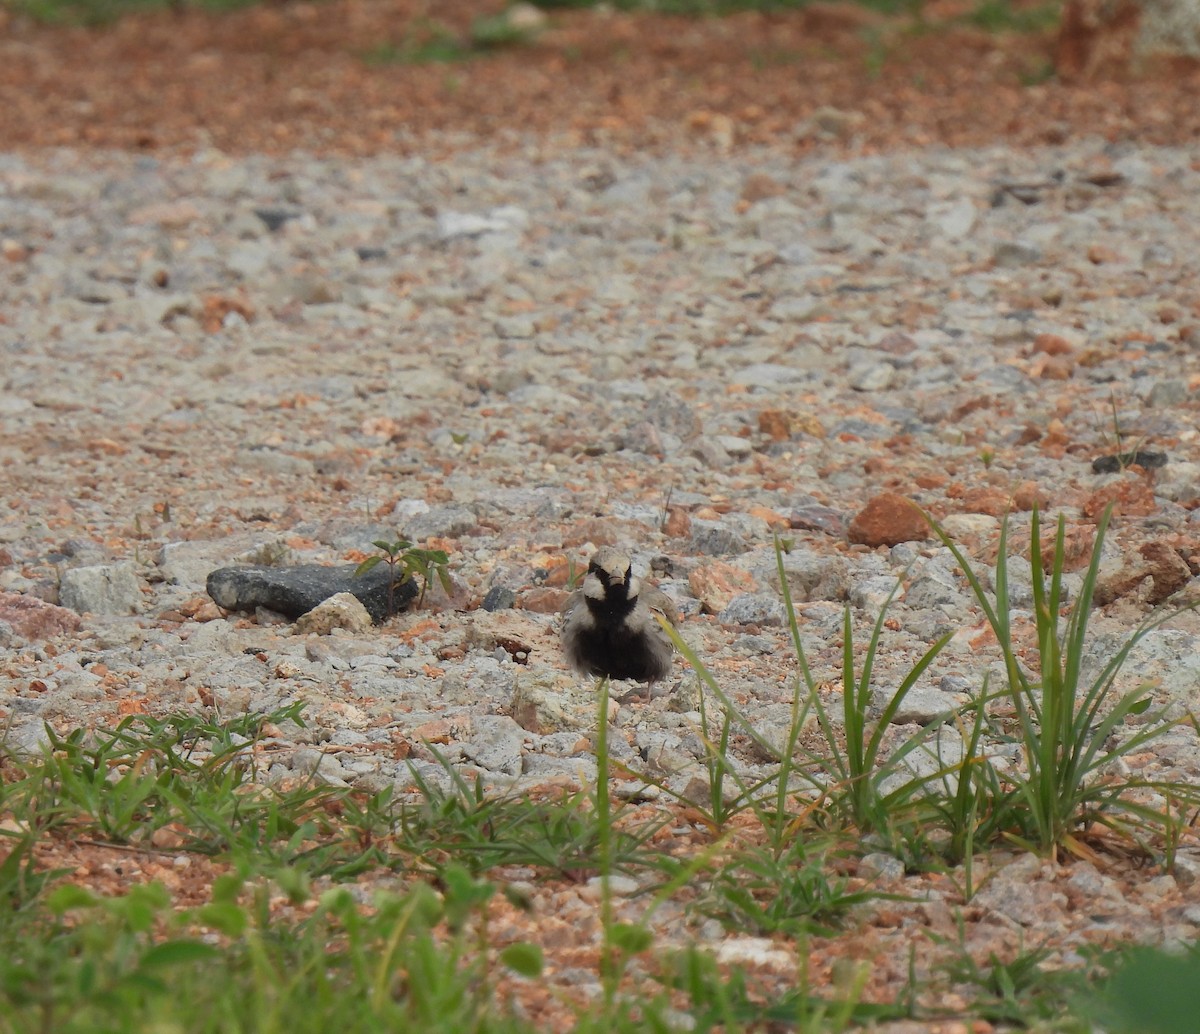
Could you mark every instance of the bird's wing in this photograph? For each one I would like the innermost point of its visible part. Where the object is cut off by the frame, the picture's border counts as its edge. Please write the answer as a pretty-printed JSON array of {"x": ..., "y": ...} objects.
[
  {"x": 573, "y": 601},
  {"x": 659, "y": 602}
]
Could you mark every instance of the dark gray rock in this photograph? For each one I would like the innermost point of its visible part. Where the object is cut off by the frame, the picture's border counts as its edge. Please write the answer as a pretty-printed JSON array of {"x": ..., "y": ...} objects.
[
  {"x": 293, "y": 591},
  {"x": 273, "y": 218},
  {"x": 499, "y": 597}
]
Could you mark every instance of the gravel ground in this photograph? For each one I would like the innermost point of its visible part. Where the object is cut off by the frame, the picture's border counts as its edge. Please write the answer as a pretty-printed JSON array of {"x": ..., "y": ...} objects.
[{"x": 521, "y": 356}]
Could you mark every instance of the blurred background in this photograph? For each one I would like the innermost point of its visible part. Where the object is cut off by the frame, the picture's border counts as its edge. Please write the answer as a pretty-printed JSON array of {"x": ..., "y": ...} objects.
[{"x": 361, "y": 76}]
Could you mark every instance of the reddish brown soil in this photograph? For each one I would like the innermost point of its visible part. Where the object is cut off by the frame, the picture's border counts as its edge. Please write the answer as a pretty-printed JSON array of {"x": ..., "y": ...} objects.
[{"x": 299, "y": 75}]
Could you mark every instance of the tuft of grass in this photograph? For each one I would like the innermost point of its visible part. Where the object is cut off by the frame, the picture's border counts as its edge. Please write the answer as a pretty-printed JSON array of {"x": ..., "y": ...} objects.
[
  {"x": 1021, "y": 989},
  {"x": 859, "y": 767},
  {"x": 791, "y": 892},
  {"x": 1071, "y": 730},
  {"x": 565, "y": 836}
]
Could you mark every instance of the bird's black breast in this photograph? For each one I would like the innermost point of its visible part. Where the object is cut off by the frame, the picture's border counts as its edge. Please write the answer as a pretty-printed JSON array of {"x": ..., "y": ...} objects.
[{"x": 611, "y": 647}]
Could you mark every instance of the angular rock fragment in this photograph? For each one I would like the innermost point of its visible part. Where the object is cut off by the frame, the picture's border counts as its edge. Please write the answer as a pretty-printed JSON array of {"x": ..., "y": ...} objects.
[
  {"x": 340, "y": 611},
  {"x": 887, "y": 520},
  {"x": 32, "y": 618},
  {"x": 101, "y": 589}
]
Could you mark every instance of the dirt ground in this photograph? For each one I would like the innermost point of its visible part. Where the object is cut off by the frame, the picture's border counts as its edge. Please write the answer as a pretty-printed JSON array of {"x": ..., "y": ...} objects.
[{"x": 345, "y": 76}]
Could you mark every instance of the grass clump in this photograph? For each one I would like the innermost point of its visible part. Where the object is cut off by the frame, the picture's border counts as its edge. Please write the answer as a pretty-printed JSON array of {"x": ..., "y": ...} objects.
[
  {"x": 942, "y": 793},
  {"x": 1071, "y": 728}
]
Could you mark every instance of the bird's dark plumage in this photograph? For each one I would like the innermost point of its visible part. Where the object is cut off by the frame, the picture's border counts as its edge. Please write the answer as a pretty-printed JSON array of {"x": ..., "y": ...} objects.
[{"x": 610, "y": 626}]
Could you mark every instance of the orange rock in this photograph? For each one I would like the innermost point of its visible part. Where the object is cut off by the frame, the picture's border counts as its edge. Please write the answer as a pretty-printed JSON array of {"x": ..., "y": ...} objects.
[
  {"x": 1028, "y": 495},
  {"x": 33, "y": 618},
  {"x": 600, "y": 531},
  {"x": 775, "y": 423},
  {"x": 679, "y": 524},
  {"x": 758, "y": 186},
  {"x": 1131, "y": 497},
  {"x": 715, "y": 584},
  {"x": 1052, "y": 344},
  {"x": 1098, "y": 254},
  {"x": 107, "y": 445},
  {"x": 1158, "y": 575},
  {"x": 217, "y": 307},
  {"x": 208, "y": 611},
  {"x": 887, "y": 520},
  {"x": 995, "y": 502},
  {"x": 543, "y": 600},
  {"x": 555, "y": 568},
  {"x": 765, "y": 513},
  {"x": 441, "y": 730}
]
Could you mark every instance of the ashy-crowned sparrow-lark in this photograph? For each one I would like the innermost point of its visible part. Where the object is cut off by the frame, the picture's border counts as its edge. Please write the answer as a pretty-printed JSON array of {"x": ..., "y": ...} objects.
[{"x": 609, "y": 626}]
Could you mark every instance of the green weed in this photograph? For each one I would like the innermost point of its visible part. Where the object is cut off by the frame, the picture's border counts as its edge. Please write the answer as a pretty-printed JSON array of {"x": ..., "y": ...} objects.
[
  {"x": 405, "y": 562},
  {"x": 1071, "y": 729}
]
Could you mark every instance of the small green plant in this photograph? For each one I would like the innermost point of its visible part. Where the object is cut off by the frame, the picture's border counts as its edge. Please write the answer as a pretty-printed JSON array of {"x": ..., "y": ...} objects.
[
  {"x": 1128, "y": 453},
  {"x": 405, "y": 562},
  {"x": 481, "y": 831},
  {"x": 1019, "y": 990},
  {"x": 790, "y": 892},
  {"x": 987, "y": 456},
  {"x": 1070, "y": 729},
  {"x": 860, "y": 767}
]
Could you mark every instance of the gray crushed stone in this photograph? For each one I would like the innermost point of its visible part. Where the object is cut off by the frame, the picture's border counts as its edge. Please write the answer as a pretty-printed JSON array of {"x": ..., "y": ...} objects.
[{"x": 211, "y": 361}]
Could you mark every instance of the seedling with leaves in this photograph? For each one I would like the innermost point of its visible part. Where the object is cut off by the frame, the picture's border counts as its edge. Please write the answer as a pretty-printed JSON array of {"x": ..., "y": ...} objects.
[{"x": 405, "y": 562}]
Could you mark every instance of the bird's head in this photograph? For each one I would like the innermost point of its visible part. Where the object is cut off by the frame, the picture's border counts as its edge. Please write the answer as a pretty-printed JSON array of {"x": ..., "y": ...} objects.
[{"x": 610, "y": 576}]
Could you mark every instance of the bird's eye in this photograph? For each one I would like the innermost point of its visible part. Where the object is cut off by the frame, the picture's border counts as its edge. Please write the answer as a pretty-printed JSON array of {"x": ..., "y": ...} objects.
[{"x": 593, "y": 568}]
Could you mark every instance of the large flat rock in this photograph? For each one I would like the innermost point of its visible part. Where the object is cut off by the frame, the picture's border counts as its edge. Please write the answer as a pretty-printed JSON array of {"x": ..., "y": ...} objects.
[{"x": 295, "y": 590}]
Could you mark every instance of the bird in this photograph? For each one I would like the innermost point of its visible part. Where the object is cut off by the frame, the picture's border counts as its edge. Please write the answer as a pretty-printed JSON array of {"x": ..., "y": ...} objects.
[{"x": 609, "y": 627}]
